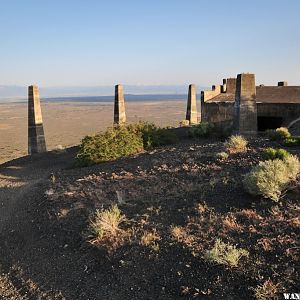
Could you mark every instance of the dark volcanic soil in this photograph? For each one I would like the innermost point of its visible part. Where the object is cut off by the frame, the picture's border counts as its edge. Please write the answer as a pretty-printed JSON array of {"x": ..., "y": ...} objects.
[{"x": 44, "y": 253}]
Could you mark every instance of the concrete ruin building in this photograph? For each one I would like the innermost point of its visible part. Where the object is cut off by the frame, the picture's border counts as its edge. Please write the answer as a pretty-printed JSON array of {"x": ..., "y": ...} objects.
[{"x": 240, "y": 105}]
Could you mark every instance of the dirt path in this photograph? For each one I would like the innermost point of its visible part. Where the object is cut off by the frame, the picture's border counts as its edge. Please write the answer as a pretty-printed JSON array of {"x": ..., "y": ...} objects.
[{"x": 21, "y": 182}]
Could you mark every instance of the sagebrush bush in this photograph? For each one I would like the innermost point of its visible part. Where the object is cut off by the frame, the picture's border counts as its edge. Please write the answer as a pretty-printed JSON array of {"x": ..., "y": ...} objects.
[
  {"x": 222, "y": 155},
  {"x": 278, "y": 134},
  {"x": 204, "y": 129},
  {"x": 271, "y": 153},
  {"x": 236, "y": 144},
  {"x": 292, "y": 164},
  {"x": 225, "y": 254},
  {"x": 112, "y": 144},
  {"x": 271, "y": 177},
  {"x": 122, "y": 141}
]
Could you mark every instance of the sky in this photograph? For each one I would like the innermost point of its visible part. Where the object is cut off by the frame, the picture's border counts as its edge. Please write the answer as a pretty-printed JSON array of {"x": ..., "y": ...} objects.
[{"x": 147, "y": 42}]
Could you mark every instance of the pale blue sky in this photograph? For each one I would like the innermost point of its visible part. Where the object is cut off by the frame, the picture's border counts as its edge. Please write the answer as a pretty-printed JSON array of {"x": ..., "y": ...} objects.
[{"x": 151, "y": 42}]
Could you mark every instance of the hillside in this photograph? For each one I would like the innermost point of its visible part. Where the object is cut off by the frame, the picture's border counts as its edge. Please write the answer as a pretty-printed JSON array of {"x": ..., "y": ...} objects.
[{"x": 176, "y": 201}]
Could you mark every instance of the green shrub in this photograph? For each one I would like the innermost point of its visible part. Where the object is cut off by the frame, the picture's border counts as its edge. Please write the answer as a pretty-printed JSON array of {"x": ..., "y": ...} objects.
[
  {"x": 222, "y": 155},
  {"x": 278, "y": 134},
  {"x": 203, "y": 129},
  {"x": 225, "y": 254},
  {"x": 122, "y": 141},
  {"x": 271, "y": 177},
  {"x": 236, "y": 144},
  {"x": 154, "y": 136},
  {"x": 271, "y": 153},
  {"x": 292, "y": 141},
  {"x": 112, "y": 144}
]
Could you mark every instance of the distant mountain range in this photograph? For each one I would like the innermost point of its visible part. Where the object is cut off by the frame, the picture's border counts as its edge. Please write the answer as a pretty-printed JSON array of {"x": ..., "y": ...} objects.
[{"x": 99, "y": 93}]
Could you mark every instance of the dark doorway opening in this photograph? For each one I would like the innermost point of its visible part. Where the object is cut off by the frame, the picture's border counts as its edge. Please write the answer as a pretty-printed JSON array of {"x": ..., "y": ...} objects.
[{"x": 264, "y": 123}]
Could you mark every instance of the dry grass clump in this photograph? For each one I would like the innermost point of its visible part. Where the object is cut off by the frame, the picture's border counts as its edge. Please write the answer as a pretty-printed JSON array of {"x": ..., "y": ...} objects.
[
  {"x": 268, "y": 290},
  {"x": 236, "y": 144},
  {"x": 225, "y": 254},
  {"x": 222, "y": 155},
  {"x": 178, "y": 233},
  {"x": 270, "y": 178},
  {"x": 104, "y": 227},
  {"x": 150, "y": 238}
]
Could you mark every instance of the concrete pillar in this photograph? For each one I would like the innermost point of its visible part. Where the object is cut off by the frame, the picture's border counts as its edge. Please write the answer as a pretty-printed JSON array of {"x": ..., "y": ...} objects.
[
  {"x": 191, "y": 110},
  {"x": 230, "y": 85},
  {"x": 36, "y": 137},
  {"x": 119, "y": 111},
  {"x": 245, "y": 121},
  {"x": 223, "y": 86}
]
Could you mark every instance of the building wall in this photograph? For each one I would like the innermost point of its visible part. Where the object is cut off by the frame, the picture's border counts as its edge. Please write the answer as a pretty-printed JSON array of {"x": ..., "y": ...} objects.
[
  {"x": 215, "y": 112},
  {"x": 223, "y": 112},
  {"x": 287, "y": 111}
]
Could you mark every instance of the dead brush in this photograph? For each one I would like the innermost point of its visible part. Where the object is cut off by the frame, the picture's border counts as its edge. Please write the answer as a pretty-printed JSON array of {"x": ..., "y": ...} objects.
[
  {"x": 250, "y": 214},
  {"x": 266, "y": 244},
  {"x": 104, "y": 227},
  {"x": 201, "y": 208},
  {"x": 230, "y": 223},
  {"x": 150, "y": 239},
  {"x": 268, "y": 290},
  {"x": 181, "y": 235},
  {"x": 178, "y": 233}
]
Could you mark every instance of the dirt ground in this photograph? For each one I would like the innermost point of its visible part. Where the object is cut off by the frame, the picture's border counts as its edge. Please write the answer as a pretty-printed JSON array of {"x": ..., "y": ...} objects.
[
  {"x": 66, "y": 123},
  {"x": 46, "y": 206}
]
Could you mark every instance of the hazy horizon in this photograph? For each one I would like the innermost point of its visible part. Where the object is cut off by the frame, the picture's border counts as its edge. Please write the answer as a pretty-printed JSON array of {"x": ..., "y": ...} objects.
[{"x": 20, "y": 92}]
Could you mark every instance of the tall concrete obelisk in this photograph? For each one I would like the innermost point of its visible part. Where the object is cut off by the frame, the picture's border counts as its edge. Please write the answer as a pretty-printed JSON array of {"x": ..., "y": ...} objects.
[
  {"x": 191, "y": 110},
  {"x": 245, "y": 121},
  {"x": 119, "y": 111},
  {"x": 36, "y": 137}
]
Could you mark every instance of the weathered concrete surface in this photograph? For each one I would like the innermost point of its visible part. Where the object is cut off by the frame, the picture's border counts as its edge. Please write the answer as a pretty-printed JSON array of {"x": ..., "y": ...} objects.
[
  {"x": 119, "y": 111},
  {"x": 207, "y": 95},
  {"x": 216, "y": 112},
  {"x": 36, "y": 137},
  {"x": 230, "y": 85},
  {"x": 191, "y": 110},
  {"x": 289, "y": 112},
  {"x": 245, "y": 121}
]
